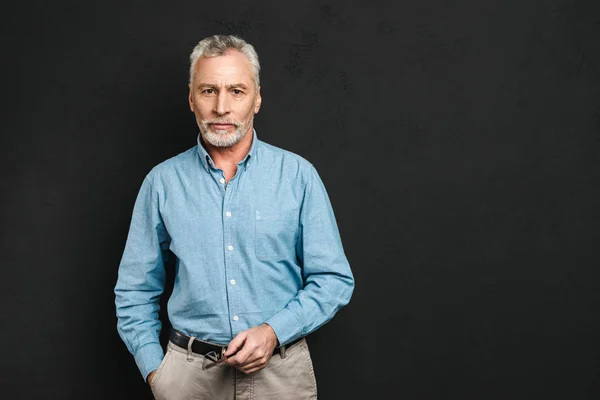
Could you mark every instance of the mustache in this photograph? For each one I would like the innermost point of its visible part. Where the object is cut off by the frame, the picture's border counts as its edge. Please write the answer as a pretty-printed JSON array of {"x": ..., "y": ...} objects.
[{"x": 207, "y": 122}]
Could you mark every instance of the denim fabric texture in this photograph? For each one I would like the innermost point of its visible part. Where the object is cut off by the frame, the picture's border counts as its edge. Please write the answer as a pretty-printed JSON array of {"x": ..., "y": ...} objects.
[{"x": 263, "y": 247}]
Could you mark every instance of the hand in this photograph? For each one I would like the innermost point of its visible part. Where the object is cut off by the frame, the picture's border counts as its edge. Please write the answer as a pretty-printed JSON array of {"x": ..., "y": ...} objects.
[
  {"x": 151, "y": 377},
  {"x": 251, "y": 350}
]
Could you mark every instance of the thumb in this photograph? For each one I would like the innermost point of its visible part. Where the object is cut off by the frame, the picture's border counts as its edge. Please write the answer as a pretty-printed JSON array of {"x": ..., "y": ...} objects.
[{"x": 236, "y": 344}]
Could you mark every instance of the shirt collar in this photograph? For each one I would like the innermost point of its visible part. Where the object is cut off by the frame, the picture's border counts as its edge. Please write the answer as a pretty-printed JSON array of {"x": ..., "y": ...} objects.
[{"x": 208, "y": 162}]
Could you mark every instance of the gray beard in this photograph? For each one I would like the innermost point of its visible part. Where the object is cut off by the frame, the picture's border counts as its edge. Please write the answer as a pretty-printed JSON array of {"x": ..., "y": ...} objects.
[{"x": 222, "y": 138}]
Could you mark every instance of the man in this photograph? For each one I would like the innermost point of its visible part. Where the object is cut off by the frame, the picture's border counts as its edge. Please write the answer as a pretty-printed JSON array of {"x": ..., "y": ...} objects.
[{"x": 259, "y": 260}]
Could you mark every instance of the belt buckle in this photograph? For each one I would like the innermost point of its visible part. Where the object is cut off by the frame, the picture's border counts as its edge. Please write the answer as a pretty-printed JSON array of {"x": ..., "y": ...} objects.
[{"x": 215, "y": 358}]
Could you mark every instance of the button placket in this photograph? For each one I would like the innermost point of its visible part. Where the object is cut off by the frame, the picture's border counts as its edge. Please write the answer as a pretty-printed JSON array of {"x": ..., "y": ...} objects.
[{"x": 231, "y": 246}]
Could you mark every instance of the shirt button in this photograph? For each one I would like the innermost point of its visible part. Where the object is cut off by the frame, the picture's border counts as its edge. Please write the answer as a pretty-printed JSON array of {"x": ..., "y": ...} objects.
[
  {"x": 232, "y": 281},
  {"x": 235, "y": 317},
  {"x": 222, "y": 180},
  {"x": 229, "y": 248},
  {"x": 228, "y": 214}
]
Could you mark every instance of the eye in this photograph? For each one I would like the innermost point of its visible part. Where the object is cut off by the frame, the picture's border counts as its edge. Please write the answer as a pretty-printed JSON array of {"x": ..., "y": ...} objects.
[
  {"x": 208, "y": 91},
  {"x": 237, "y": 92}
]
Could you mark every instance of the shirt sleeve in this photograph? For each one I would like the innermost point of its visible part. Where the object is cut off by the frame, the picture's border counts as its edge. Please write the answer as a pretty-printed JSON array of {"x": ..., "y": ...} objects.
[
  {"x": 141, "y": 281},
  {"x": 328, "y": 280}
]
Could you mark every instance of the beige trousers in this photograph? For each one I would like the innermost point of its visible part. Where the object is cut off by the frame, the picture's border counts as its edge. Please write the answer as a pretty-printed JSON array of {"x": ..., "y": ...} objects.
[{"x": 182, "y": 375}]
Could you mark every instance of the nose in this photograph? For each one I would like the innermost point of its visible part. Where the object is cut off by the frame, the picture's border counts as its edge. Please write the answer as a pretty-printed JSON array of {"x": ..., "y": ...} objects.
[{"x": 222, "y": 104}]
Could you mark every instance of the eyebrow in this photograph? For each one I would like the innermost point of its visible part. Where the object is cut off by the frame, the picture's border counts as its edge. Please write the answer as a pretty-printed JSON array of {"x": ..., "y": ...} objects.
[{"x": 210, "y": 85}]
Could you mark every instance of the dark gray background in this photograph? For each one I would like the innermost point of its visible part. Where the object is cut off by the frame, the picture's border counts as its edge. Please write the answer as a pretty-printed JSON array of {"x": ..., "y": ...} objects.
[{"x": 458, "y": 140}]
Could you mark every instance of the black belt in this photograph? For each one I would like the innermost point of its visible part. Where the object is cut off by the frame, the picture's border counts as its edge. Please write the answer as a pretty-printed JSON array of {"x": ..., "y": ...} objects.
[{"x": 200, "y": 347}]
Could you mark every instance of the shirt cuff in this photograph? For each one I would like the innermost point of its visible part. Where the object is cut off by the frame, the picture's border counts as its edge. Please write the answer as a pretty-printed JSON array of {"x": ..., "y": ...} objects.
[
  {"x": 286, "y": 326},
  {"x": 148, "y": 358}
]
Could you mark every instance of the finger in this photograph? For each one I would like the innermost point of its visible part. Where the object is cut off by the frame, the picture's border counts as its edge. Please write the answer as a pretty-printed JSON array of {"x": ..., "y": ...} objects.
[
  {"x": 252, "y": 370},
  {"x": 260, "y": 363},
  {"x": 244, "y": 355},
  {"x": 236, "y": 343}
]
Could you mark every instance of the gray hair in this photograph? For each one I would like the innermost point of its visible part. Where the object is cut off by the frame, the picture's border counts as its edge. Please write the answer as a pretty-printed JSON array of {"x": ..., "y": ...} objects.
[{"x": 218, "y": 45}]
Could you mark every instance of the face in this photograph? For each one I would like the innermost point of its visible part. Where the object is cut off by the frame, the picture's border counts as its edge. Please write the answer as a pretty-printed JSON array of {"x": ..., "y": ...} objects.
[{"x": 224, "y": 98}]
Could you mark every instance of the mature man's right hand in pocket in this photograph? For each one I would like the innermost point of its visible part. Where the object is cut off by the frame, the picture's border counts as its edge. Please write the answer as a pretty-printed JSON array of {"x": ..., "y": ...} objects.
[{"x": 151, "y": 377}]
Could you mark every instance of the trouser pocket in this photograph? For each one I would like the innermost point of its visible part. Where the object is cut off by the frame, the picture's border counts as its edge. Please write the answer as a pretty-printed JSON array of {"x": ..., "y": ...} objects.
[{"x": 160, "y": 372}]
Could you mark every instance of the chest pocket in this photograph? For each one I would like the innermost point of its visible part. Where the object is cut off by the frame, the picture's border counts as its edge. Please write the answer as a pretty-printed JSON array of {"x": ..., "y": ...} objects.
[{"x": 276, "y": 235}]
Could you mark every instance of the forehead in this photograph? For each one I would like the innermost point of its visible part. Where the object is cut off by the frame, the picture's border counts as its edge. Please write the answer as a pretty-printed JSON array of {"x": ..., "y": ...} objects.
[{"x": 228, "y": 68}]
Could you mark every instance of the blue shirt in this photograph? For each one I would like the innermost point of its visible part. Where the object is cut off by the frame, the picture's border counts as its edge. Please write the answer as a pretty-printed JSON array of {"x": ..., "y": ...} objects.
[{"x": 263, "y": 247}]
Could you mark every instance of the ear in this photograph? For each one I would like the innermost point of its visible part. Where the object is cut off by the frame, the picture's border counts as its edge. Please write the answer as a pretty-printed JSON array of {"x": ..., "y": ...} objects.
[
  {"x": 191, "y": 98},
  {"x": 257, "y": 102}
]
